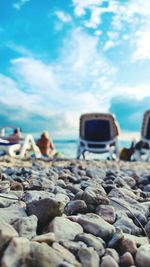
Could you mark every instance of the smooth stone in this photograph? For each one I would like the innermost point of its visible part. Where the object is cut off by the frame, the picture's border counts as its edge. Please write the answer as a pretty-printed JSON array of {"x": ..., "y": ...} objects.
[
  {"x": 124, "y": 193},
  {"x": 48, "y": 238},
  {"x": 92, "y": 241},
  {"x": 107, "y": 212},
  {"x": 142, "y": 257},
  {"x": 61, "y": 183},
  {"x": 41, "y": 184},
  {"x": 73, "y": 246},
  {"x": 42, "y": 255},
  {"x": 65, "y": 254},
  {"x": 5, "y": 201},
  {"x": 128, "y": 245},
  {"x": 12, "y": 213},
  {"x": 27, "y": 226},
  {"x": 139, "y": 240},
  {"x": 16, "y": 252},
  {"x": 116, "y": 239},
  {"x": 16, "y": 186},
  {"x": 35, "y": 195},
  {"x": 96, "y": 173},
  {"x": 7, "y": 232},
  {"x": 95, "y": 225},
  {"x": 66, "y": 264},
  {"x": 52, "y": 175},
  {"x": 127, "y": 225},
  {"x": 88, "y": 257},
  {"x": 113, "y": 253},
  {"x": 4, "y": 186},
  {"x": 128, "y": 180},
  {"x": 95, "y": 196},
  {"x": 45, "y": 210},
  {"x": 75, "y": 207},
  {"x": 64, "y": 229},
  {"x": 147, "y": 228},
  {"x": 126, "y": 260},
  {"x": 108, "y": 261},
  {"x": 73, "y": 188},
  {"x": 62, "y": 198}
]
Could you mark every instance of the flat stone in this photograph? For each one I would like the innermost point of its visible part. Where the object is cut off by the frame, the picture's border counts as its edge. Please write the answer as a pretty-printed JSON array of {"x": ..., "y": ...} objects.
[
  {"x": 139, "y": 240},
  {"x": 26, "y": 226},
  {"x": 73, "y": 246},
  {"x": 7, "y": 232},
  {"x": 107, "y": 212},
  {"x": 12, "y": 213},
  {"x": 64, "y": 229},
  {"x": 65, "y": 254},
  {"x": 95, "y": 225},
  {"x": 95, "y": 195},
  {"x": 126, "y": 260},
  {"x": 75, "y": 207},
  {"x": 127, "y": 225},
  {"x": 92, "y": 241},
  {"x": 142, "y": 257},
  {"x": 48, "y": 238},
  {"x": 88, "y": 257},
  {"x": 35, "y": 195},
  {"x": 113, "y": 253},
  {"x": 128, "y": 245},
  {"x": 16, "y": 252},
  {"x": 108, "y": 261},
  {"x": 42, "y": 255}
]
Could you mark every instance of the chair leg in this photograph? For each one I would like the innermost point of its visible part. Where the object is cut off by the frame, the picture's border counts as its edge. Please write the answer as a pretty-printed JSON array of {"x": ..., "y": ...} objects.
[
  {"x": 83, "y": 154},
  {"x": 137, "y": 155},
  {"x": 78, "y": 152}
]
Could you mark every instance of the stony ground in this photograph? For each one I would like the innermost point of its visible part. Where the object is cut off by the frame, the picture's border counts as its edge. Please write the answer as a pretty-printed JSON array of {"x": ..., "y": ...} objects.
[{"x": 74, "y": 213}]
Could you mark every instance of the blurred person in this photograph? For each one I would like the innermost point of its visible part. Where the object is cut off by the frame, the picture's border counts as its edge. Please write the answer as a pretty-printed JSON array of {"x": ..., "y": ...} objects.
[
  {"x": 46, "y": 145},
  {"x": 16, "y": 136}
]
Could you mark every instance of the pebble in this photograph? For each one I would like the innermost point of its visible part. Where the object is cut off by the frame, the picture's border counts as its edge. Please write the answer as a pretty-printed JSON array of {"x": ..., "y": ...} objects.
[{"x": 74, "y": 214}]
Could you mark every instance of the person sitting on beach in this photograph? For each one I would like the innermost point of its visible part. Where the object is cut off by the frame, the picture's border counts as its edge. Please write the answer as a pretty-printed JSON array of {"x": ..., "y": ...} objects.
[
  {"x": 46, "y": 145},
  {"x": 16, "y": 136}
]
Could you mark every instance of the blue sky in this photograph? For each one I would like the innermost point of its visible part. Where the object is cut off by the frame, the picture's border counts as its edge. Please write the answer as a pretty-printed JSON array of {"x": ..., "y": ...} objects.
[{"x": 59, "y": 59}]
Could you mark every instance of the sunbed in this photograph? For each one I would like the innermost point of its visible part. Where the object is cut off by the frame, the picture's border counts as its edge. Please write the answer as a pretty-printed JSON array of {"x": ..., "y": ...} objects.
[{"x": 98, "y": 133}]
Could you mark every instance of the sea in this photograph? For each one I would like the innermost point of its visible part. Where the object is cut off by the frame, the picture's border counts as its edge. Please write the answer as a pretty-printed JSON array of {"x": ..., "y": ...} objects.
[{"x": 68, "y": 149}]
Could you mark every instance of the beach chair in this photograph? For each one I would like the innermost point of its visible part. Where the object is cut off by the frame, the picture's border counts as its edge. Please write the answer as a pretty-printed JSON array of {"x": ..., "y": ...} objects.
[
  {"x": 19, "y": 149},
  {"x": 98, "y": 133},
  {"x": 9, "y": 148},
  {"x": 142, "y": 147}
]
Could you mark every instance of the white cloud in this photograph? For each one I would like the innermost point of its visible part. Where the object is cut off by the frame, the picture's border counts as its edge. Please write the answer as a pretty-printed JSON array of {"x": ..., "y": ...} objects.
[
  {"x": 12, "y": 95},
  {"x": 81, "y": 6},
  {"x": 135, "y": 92},
  {"x": 19, "y": 49},
  {"x": 62, "y": 16},
  {"x": 142, "y": 45},
  {"x": 79, "y": 81},
  {"x": 130, "y": 18},
  {"x": 18, "y": 5}
]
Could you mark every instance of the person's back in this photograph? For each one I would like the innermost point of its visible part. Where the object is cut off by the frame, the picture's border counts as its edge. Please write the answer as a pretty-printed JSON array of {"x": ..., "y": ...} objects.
[
  {"x": 45, "y": 145},
  {"x": 15, "y": 137}
]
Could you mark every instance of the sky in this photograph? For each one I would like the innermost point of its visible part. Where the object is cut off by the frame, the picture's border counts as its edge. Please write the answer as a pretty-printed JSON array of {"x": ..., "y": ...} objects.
[{"x": 62, "y": 58}]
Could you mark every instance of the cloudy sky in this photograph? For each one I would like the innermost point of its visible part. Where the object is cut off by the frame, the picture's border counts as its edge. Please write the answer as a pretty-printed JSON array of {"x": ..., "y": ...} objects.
[{"x": 61, "y": 58}]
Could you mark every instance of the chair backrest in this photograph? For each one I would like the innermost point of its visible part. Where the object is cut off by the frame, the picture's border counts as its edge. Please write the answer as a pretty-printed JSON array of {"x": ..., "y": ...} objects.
[
  {"x": 145, "y": 130},
  {"x": 98, "y": 127}
]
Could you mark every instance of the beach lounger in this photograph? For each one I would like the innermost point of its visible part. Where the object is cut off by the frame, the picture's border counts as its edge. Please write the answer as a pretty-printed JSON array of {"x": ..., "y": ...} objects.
[
  {"x": 9, "y": 148},
  {"x": 20, "y": 149},
  {"x": 98, "y": 134},
  {"x": 142, "y": 148}
]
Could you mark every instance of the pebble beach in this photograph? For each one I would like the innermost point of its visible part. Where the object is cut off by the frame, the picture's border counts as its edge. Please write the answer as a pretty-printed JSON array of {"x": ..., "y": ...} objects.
[{"x": 67, "y": 213}]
